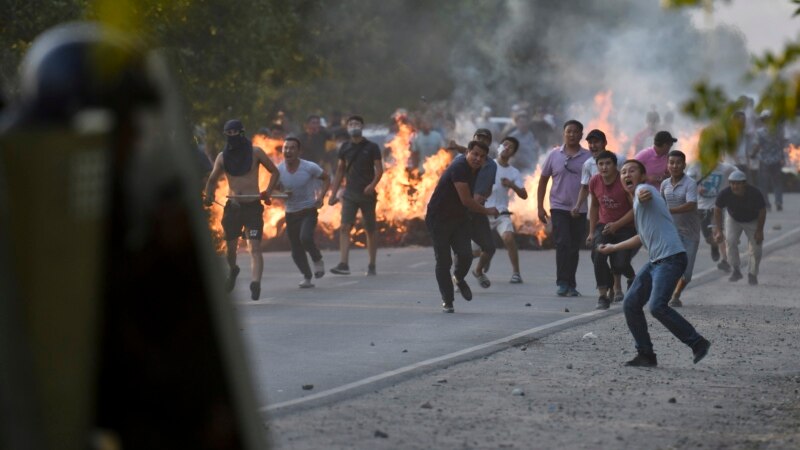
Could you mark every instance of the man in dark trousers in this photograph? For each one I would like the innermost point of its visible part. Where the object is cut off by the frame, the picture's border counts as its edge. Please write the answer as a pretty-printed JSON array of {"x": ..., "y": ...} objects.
[
  {"x": 361, "y": 164},
  {"x": 656, "y": 280},
  {"x": 449, "y": 223}
]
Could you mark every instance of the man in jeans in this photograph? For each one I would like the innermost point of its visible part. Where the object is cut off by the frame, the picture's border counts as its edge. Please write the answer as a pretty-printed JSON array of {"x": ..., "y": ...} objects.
[
  {"x": 360, "y": 162},
  {"x": 448, "y": 221},
  {"x": 657, "y": 278},
  {"x": 300, "y": 180},
  {"x": 747, "y": 213},
  {"x": 564, "y": 165},
  {"x": 610, "y": 222}
]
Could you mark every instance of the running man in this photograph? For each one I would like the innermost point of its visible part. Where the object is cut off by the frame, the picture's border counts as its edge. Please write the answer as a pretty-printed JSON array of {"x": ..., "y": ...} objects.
[
  {"x": 449, "y": 223},
  {"x": 300, "y": 180},
  {"x": 508, "y": 179},
  {"x": 239, "y": 162},
  {"x": 656, "y": 280},
  {"x": 680, "y": 192}
]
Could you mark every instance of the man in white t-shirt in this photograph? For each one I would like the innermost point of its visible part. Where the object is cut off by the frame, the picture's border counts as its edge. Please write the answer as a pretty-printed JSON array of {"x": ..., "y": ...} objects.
[
  {"x": 300, "y": 180},
  {"x": 508, "y": 178},
  {"x": 597, "y": 144},
  {"x": 708, "y": 187}
]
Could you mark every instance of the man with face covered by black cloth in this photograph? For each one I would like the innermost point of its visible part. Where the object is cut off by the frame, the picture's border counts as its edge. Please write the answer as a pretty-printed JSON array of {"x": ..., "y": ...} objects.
[{"x": 239, "y": 161}]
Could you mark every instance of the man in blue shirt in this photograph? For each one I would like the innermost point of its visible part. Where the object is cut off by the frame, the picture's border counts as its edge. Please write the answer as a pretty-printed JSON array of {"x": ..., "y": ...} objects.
[{"x": 656, "y": 280}]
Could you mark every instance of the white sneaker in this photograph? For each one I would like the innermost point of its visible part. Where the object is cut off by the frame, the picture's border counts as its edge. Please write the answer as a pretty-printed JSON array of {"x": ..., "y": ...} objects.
[
  {"x": 319, "y": 269},
  {"x": 455, "y": 285},
  {"x": 306, "y": 283}
]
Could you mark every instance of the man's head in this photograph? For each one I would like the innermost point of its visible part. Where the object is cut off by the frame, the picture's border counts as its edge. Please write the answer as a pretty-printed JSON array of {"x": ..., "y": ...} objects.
[
  {"x": 676, "y": 163},
  {"x": 573, "y": 132},
  {"x": 633, "y": 174},
  {"x": 476, "y": 154},
  {"x": 483, "y": 135},
  {"x": 425, "y": 125},
  {"x": 355, "y": 125},
  {"x": 312, "y": 124},
  {"x": 606, "y": 163},
  {"x": 597, "y": 142},
  {"x": 509, "y": 146},
  {"x": 233, "y": 127},
  {"x": 291, "y": 149},
  {"x": 522, "y": 120},
  {"x": 738, "y": 182},
  {"x": 662, "y": 142},
  {"x": 276, "y": 131}
]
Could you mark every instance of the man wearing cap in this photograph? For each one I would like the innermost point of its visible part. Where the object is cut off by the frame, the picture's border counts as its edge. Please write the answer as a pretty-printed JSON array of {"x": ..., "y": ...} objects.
[
  {"x": 655, "y": 158},
  {"x": 747, "y": 212},
  {"x": 708, "y": 188},
  {"x": 564, "y": 164},
  {"x": 239, "y": 161}
]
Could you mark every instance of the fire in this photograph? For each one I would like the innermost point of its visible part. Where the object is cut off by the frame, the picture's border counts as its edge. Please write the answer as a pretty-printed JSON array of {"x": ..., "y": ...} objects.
[
  {"x": 794, "y": 156},
  {"x": 617, "y": 141},
  {"x": 525, "y": 218}
]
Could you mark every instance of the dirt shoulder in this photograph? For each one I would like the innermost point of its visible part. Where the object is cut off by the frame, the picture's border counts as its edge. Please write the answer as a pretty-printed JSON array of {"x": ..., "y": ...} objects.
[{"x": 570, "y": 391}]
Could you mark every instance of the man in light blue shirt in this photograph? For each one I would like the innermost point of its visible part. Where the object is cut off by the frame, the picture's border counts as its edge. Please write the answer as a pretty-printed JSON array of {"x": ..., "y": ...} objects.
[{"x": 655, "y": 281}]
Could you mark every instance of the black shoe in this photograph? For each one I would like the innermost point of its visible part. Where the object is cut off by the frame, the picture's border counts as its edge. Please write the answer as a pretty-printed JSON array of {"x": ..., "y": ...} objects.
[
  {"x": 752, "y": 280},
  {"x": 230, "y": 282},
  {"x": 643, "y": 360},
  {"x": 714, "y": 253},
  {"x": 736, "y": 275},
  {"x": 464, "y": 289},
  {"x": 255, "y": 290},
  {"x": 371, "y": 270},
  {"x": 700, "y": 349},
  {"x": 447, "y": 307},
  {"x": 779, "y": 207},
  {"x": 603, "y": 302},
  {"x": 341, "y": 269},
  {"x": 724, "y": 266}
]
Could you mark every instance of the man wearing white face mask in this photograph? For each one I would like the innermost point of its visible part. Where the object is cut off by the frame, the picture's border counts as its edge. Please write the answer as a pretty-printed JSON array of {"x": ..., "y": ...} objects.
[{"x": 360, "y": 163}]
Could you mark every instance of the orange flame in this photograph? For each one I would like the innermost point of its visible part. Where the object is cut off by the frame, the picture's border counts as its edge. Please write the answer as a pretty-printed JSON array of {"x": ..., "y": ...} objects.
[
  {"x": 617, "y": 141},
  {"x": 794, "y": 156}
]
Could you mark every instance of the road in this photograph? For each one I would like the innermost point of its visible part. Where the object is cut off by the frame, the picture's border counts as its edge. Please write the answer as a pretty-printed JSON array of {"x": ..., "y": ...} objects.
[{"x": 354, "y": 333}]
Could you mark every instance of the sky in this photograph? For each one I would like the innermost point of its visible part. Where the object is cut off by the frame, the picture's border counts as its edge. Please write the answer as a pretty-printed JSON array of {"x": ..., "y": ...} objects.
[{"x": 766, "y": 24}]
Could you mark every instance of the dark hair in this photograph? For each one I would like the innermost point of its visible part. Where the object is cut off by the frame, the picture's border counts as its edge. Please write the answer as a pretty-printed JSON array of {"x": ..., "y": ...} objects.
[
  {"x": 479, "y": 144},
  {"x": 356, "y": 118},
  {"x": 294, "y": 139},
  {"x": 573, "y": 122},
  {"x": 311, "y": 117},
  {"x": 276, "y": 126},
  {"x": 677, "y": 154},
  {"x": 638, "y": 163},
  {"x": 606, "y": 154},
  {"x": 514, "y": 141}
]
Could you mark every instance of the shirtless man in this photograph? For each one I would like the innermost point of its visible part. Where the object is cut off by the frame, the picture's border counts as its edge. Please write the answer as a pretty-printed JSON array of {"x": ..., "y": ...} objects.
[{"x": 239, "y": 161}]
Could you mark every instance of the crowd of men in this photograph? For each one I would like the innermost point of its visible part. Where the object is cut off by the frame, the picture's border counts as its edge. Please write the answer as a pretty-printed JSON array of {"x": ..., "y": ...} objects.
[{"x": 650, "y": 200}]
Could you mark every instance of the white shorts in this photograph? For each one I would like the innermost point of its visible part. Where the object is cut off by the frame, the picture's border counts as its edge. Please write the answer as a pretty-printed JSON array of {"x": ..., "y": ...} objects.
[{"x": 502, "y": 224}]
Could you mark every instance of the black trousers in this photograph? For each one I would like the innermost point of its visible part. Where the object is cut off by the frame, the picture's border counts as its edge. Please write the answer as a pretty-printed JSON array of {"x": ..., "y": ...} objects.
[
  {"x": 450, "y": 234},
  {"x": 569, "y": 232},
  {"x": 481, "y": 233},
  {"x": 620, "y": 262},
  {"x": 300, "y": 228}
]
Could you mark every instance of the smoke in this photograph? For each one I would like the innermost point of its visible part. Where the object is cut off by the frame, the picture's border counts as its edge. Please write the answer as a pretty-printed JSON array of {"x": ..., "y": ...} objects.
[{"x": 559, "y": 55}]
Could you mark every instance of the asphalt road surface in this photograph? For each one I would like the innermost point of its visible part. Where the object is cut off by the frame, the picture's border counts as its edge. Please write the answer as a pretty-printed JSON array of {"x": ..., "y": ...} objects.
[{"x": 352, "y": 333}]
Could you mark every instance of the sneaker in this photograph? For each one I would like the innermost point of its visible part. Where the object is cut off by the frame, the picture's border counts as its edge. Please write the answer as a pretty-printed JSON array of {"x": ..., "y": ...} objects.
[
  {"x": 230, "y": 282},
  {"x": 572, "y": 292},
  {"x": 618, "y": 296},
  {"x": 736, "y": 275},
  {"x": 483, "y": 280},
  {"x": 371, "y": 270},
  {"x": 700, "y": 349},
  {"x": 714, "y": 253},
  {"x": 515, "y": 278},
  {"x": 455, "y": 285},
  {"x": 255, "y": 290},
  {"x": 643, "y": 360},
  {"x": 603, "y": 302},
  {"x": 319, "y": 269},
  {"x": 779, "y": 207},
  {"x": 562, "y": 290},
  {"x": 675, "y": 302},
  {"x": 724, "y": 266},
  {"x": 464, "y": 289},
  {"x": 306, "y": 283},
  {"x": 447, "y": 307},
  {"x": 752, "y": 280},
  {"x": 341, "y": 269}
]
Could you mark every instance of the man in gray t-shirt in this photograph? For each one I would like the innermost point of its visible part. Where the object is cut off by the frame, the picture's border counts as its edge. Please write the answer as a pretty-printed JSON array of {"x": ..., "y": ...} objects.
[{"x": 655, "y": 281}]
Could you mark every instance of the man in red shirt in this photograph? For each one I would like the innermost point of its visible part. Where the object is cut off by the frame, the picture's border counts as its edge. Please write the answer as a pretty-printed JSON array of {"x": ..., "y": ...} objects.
[{"x": 610, "y": 222}]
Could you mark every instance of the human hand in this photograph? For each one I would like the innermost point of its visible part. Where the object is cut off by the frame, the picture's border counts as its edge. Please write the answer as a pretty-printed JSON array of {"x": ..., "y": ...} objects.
[
  {"x": 575, "y": 212},
  {"x": 719, "y": 236},
  {"x": 606, "y": 248},
  {"x": 645, "y": 195},
  {"x": 589, "y": 239},
  {"x": 493, "y": 212},
  {"x": 370, "y": 189},
  {"x": 542, "y": 216},
  {"x": 333, "y": 199},
  {"x": 265, "y": 197},
  {"x": 610, "y": 228},
  {"x": 505, "y": 182}
]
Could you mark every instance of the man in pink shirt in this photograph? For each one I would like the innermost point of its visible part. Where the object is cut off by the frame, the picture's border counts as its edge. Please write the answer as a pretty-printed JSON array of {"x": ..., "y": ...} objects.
[{"x": 655, "y": 158}]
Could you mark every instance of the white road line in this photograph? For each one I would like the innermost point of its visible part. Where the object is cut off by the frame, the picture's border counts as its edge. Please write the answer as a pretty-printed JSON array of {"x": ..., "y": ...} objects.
[
  {"x": 346, "y": 283},
  {"x": 419, "y": 264},
  {"x": 427, "y": 362},
  {"x": 262, "y": 301}
]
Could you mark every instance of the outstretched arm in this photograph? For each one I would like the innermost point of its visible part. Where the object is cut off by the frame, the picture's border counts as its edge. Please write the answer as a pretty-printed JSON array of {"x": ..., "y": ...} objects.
[{"x": 213, "y": 179}]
